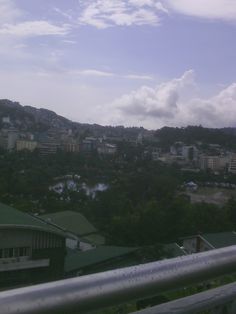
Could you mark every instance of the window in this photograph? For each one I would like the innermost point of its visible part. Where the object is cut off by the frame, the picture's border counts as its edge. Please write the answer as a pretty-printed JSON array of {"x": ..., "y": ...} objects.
[{"x": 14, "y": 252}]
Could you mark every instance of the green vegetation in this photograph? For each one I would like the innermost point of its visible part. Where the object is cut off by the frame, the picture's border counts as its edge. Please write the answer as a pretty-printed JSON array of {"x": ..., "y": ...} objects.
[
  {"x": 224, "y": 137},
  {"x": 142, "y": 206}
]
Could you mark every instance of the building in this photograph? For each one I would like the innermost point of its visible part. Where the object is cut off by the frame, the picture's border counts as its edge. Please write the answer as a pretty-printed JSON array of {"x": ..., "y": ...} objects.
[
  {"x": 170, "y": 159},
  {"x": 208, "y": 241},
  {"x": 107, "y": 149},
  {"x": 190, "y": 153},
  {"x": 8, "y": 138},
  {"x": 191, "y": 186},
  {"x": 155, "y": 156},
  {"x": 80, "y": 232},
  {"x": 71, "y": 147},
  {"x": 172, "y": 250},
  {"x": 99, "y": 259},
  {"x": 177, "y": 148},
  {"x": 23, "y": 144},
  {"x": 47, "y": 145},
  {"x": 140, "y": 138},
  {"x": 30, "y": 250},
  {"x": 6, "y": 120},
  {"x": 232, "y": 164},
  {"x": 214, "y": 163},
  {"x": 89, "y": 144}
]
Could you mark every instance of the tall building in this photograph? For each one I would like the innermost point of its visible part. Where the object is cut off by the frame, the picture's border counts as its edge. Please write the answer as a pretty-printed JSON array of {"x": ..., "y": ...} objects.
[
  {"x": 47, "y": 145},
  {"x": 8, "y": 138},
  {"x": 190, "y": 153},
  {"x": 214, "y": 163},
  {"x": 232, "y": 164}
]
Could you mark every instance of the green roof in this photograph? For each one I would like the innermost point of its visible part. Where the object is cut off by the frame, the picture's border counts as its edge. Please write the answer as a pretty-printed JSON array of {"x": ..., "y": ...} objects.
[
  {"x": 95, "y": 239},
  {"x": 71, "y": 221},
  {"x": 173, "y": 250},
  {"x": 221, "y": 239},
  {"x": 11, "y": 217},
  {"x": 79, "y": 260}
]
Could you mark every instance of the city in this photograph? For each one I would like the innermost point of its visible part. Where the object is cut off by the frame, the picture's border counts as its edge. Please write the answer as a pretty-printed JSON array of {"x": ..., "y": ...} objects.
[{"x": 117, "y": 157}]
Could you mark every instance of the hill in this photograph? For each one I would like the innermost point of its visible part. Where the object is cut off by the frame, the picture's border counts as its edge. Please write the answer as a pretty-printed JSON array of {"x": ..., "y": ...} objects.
[
  {"x": 225, "y": 137},
  {"x": 27, "y": 118},
  {"x": 30, "y": 118}
]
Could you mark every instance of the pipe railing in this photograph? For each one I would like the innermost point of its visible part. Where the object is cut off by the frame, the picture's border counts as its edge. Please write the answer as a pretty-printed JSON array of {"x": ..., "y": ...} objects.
[
  {"x": 96, "y": 291},
  {"x": 222, "y": 298}
]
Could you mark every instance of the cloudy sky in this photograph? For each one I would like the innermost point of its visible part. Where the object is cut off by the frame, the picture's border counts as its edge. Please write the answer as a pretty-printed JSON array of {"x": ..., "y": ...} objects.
[{"x": 122, "y": 62}]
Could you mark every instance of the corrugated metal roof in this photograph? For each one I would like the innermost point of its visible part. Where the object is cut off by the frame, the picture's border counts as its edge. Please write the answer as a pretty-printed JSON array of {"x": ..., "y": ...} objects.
[
  {"x": 79, "y": 260},
  {"x": 221, "y": 239},
  {"x": 95, "y": 239},
  {"x": 174, "y": 250},
  {"x": 71, "y": 221},
  {"x": 11, "y": 217}
]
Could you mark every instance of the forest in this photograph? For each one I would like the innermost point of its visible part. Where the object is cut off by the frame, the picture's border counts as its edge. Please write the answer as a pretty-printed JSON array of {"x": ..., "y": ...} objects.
[{"x": 143, "y": 205}]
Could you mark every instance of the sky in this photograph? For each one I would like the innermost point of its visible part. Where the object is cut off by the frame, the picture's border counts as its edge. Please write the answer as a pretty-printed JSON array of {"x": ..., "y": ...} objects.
[{"x": 149, "y": 63}]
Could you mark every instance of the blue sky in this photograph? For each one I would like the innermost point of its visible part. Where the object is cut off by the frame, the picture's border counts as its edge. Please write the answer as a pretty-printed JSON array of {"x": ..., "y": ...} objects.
[{"x": 132, "y": 62}]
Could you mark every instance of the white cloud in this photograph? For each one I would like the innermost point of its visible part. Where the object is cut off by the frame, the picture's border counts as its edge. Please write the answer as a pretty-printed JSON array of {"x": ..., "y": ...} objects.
[
  {"x": 210, "y": 9},
  {"x": 64, "y": 14},
  {"x": 33, "y": 28},
  {"x": 159, "y": 103},
  {"x": 174, "y": 103},
  {"x": 99, "y": 73},
  {"x": 93, "y": 72},
  {"x": 149, "y": 3},
  {"x": 106, "y": 13},
  {"x": 8, "y": 11},
  {"x": 15, "y": 23},
  {"x": 139, "y": 77},
  {"x": 60, "y": 93},
  {"x": 141, "y": 3},
  {"x": 68, "y": 41},
  {"x": 20, "y": 46},
  {"x": 217, "y": 111}
]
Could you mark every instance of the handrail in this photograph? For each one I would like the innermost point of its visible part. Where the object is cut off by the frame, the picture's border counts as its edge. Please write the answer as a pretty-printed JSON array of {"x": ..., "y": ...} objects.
[
  {"x": 203, "y": 301},
  {"x": 118, "y": 286}
]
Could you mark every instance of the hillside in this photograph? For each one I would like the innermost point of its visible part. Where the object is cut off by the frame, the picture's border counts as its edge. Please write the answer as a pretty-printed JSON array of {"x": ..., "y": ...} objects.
[
  {"x": 225, "y": 137},
  {"x": 27, "y": 118},
  {"x": 30, "y": 118}
]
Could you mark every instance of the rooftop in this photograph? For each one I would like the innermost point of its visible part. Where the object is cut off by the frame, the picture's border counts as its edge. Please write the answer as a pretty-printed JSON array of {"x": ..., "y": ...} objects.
[
  {"x": 95, "y": 239},
  {"x": 78, "y": 260},
  {"x": 71, "y": 221},
  {"x": 173, "y": 250},
  {"x": 11, "y": 217},
  {"x": 221, "y": 239}
]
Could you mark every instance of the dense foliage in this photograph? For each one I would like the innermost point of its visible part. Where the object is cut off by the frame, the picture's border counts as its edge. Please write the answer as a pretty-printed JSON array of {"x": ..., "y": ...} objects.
[
  {"x": 142, "y": 206},
  {"x": 193, "y": 134}
]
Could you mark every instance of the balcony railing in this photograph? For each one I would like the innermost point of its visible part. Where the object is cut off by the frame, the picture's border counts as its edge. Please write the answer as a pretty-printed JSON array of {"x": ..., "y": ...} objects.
[
  {"x": 96, "y": 291},
  {"x": 220, "y": 300}
]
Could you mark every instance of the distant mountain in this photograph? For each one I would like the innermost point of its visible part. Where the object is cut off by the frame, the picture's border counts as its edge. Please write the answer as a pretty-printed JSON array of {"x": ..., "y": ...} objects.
[
  {"x": 225, "y": 137},
  {"x": 30, "y": 118},
  {"x": 27, "y": 118}
]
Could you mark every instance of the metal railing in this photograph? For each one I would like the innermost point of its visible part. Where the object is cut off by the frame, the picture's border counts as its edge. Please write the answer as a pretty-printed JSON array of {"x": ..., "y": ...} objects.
[
  {"x": 96, "y": 291},
  {"x": 219, "y": 300}
]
